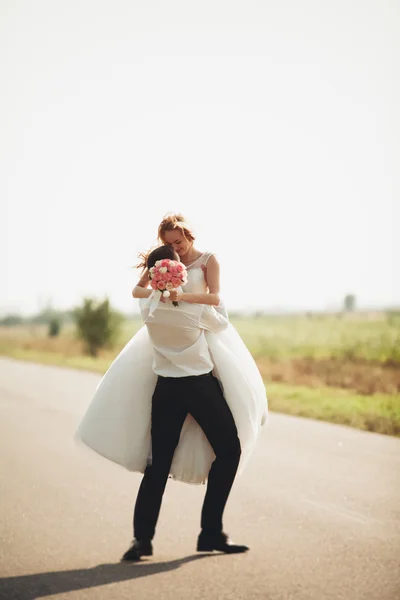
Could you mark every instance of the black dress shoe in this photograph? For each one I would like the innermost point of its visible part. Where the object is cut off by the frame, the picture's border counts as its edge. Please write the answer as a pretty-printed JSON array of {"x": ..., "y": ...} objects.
[
  {"x": 138, "y": 549},
  {"x": 221, "y": 542}
]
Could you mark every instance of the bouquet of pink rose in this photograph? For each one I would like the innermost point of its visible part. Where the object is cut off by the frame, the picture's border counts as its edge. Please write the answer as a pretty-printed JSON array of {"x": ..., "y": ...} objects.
[{"x": 167, "y": 275}]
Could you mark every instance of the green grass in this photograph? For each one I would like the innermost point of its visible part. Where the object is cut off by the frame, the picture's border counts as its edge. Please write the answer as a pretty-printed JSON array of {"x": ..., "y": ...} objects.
[
  {"x": 379, "y": 413},
  {"x": 375, "y": 339},
  {"x": 81, "y": 362}
]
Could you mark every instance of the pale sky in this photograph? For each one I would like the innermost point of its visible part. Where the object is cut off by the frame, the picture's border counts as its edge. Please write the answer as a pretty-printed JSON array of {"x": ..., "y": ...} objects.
[{"x": 273, "y": 126}]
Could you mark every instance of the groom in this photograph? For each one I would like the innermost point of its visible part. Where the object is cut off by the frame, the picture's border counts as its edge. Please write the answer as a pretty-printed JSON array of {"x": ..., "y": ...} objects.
[{"x": 185, "y": 386}]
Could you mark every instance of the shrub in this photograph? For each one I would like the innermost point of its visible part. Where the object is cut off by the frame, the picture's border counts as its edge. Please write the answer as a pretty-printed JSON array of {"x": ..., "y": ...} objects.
[{"x": 97, "y": 324}]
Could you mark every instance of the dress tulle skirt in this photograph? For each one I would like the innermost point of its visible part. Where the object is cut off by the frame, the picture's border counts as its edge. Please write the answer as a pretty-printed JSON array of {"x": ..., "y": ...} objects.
[{"x": 118, "y": 421}]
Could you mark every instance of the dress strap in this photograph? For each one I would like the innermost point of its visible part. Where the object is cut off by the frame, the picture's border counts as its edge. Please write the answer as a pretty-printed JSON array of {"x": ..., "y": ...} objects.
[
  {"x": 205, "y": 257},
  {"x": 199, "y": 262}
]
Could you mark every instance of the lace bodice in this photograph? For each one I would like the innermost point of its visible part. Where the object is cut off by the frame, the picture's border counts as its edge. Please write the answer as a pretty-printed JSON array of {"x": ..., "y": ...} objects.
[{"x": 196, "y": 282}]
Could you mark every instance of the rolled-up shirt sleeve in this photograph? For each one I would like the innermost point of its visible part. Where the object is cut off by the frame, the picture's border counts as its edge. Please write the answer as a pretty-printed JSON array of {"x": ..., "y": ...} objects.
[{"x": 211, "y": 320}]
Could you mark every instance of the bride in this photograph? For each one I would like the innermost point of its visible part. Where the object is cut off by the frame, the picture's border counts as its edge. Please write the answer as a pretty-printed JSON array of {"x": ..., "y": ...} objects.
[{"x": 118, "y": 420}]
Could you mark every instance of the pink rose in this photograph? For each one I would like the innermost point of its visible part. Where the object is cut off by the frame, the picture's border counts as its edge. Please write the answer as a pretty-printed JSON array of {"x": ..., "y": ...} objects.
[
  {"x": 167, "y": 276},
  {"x": 157, "y": 276},
  {"x": 180, "y": 267},
  {"x": 161, "y": 285},
  {"x": 176, "y": 282},
  {"x": 153, "y": 284},
  {"x": 165, "y": 262},
  {"x": 173, "y": 270}
]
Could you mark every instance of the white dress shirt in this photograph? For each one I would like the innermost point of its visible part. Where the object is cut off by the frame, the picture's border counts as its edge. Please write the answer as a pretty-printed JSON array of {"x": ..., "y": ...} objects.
[{"x": 177, "y": 335}]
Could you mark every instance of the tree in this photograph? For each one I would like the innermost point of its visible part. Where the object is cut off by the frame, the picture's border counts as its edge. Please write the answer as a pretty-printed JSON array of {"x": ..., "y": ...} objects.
[
  {"x": 97, "y": 324},
  {"x": 11, "y": 320},
  {"x": 349, "y": 302},
  {"x": 54, "y": 327}
]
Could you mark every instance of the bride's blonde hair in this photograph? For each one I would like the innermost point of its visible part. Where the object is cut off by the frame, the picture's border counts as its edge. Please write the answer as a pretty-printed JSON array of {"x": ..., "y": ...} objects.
[{"x": 174, "y": 221}]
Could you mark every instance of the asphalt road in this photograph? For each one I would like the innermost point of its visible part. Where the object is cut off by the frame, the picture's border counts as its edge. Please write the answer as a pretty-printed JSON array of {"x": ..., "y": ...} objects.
[{"x": 318, "y": 504}]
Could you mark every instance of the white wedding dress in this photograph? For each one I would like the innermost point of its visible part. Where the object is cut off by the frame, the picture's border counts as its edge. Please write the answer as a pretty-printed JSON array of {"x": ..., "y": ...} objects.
[{"x": 118, "y": 420}]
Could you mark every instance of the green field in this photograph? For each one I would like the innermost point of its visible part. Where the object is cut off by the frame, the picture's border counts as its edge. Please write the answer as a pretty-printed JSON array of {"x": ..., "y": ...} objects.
[
  {"x": 339, "y": 368},
  {"x": 351, "y": 337}
]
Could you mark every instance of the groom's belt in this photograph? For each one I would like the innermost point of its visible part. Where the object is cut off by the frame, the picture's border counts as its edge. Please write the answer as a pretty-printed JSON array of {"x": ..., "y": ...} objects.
[{"x": 185, "y": 377}]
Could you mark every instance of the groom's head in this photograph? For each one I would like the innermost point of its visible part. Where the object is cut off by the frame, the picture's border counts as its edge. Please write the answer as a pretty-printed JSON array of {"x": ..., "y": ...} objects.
[{"x": 160, "y": 253}]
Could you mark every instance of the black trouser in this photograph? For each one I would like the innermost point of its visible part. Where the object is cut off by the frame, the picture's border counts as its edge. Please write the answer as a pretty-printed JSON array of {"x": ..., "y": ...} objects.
[{"x": 173, "y": 399}]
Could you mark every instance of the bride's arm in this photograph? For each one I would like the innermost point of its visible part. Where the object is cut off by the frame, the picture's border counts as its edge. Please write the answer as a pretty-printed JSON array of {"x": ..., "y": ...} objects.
[
  {"x": 140, "y": 290},
  {"x": 203, "y": 298},
  {"x": 212, "y": 278}
]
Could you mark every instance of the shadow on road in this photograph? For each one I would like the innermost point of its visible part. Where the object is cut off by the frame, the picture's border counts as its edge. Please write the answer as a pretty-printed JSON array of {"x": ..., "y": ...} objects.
[{"x": 38, "y": 585}]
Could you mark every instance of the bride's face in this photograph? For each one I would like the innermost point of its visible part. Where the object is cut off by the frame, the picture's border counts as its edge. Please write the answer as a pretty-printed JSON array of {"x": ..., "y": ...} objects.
[{"x": 178, "y": 241}]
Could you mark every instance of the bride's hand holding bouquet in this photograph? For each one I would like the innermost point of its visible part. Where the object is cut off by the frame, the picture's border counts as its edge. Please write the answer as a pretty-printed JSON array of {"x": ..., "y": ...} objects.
[{"x": 166, "y": 277}]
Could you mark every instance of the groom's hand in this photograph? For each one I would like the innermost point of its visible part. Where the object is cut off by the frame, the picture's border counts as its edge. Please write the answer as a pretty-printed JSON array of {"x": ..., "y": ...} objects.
[
  {"x": 204, "y": 269},
  {"x": 175, "y": 296},
  {"x": 264, "y": 418}
]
